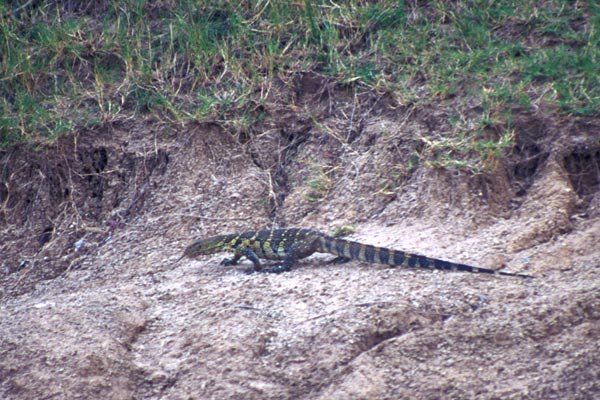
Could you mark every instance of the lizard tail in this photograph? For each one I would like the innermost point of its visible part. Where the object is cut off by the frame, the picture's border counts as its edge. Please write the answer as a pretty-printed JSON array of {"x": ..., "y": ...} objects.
[{"x": 397, "y": 258}]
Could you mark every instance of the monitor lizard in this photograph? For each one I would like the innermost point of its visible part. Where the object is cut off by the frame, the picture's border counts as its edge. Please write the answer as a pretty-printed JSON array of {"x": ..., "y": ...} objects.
[{"x": 291, "y": 245}]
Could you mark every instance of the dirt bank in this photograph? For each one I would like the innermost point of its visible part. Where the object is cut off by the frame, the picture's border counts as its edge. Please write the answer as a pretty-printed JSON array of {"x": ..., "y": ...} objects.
[{"x": 92, "y": 306}]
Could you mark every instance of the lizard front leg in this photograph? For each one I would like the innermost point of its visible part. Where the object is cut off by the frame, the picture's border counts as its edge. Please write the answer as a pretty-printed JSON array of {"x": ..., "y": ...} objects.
[
  {"x": 232, "y": 261},
  {"x": 250, "y": 255},
  {"x": 243, "y": 252}
]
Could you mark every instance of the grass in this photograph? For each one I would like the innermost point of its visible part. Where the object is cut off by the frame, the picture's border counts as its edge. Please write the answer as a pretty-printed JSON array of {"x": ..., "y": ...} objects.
[
  {"x": 318, "y": 182},
  {"x": 65, "y": 68}
]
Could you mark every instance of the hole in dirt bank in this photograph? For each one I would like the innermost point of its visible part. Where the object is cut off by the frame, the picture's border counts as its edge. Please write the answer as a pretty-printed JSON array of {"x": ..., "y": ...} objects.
[
  {"x": 100, "y": 159},
  {"x": 583, "y": 166},
  {"x": 529, "y": 157},
  {"x": 528, "y": 154},
  {"x": 93, "y": 164}
]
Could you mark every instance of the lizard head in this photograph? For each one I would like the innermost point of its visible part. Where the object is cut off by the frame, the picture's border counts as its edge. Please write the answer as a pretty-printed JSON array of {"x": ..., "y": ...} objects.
[{"x": 206, "y": 246}]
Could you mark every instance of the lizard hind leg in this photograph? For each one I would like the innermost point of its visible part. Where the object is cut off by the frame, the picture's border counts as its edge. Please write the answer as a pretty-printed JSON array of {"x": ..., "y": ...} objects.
[
  {"x": 339, "y": 260},
  {"x": 286, "y": 265}
]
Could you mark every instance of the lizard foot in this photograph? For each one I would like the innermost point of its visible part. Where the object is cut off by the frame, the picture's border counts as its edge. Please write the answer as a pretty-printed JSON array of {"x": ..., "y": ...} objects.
[
  {"x": 277, "y": 269},
  {"x": 226, "y": 262}
]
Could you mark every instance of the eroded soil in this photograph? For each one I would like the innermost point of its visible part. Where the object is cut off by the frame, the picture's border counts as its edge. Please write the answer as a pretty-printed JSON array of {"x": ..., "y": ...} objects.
[{"x": 92, "y": 305}]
